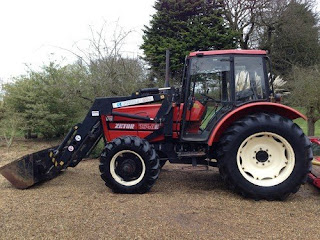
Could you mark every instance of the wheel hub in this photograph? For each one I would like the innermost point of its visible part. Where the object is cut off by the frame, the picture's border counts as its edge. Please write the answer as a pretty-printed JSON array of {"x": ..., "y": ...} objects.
[
  {"x": 262, "y": 156},
  {"x": 127, "y": 167}
]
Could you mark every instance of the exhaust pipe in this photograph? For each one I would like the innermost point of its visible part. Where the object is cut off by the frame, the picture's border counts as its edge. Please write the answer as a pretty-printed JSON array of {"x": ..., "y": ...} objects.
[{"x": 167, "y": 84}]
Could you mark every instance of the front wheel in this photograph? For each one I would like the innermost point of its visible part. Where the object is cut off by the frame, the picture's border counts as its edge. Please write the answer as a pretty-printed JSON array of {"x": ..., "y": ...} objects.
[
  {"x": 264, "y": 156},
  {"x": 129, "y": 165}
]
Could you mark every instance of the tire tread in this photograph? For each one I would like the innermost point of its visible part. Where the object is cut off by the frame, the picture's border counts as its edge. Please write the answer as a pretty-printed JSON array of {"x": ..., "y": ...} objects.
[
  {"x": 152, "y": 164},
  {"x": 255, "y": 119}
]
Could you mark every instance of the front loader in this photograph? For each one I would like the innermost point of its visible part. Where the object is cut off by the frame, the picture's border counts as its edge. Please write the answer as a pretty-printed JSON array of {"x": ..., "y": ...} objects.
[{"x": 225, "y": 115}]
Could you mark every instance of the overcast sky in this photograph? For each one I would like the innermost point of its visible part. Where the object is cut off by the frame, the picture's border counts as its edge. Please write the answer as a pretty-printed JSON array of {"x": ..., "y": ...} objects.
[{"x": 32, "y": 30}]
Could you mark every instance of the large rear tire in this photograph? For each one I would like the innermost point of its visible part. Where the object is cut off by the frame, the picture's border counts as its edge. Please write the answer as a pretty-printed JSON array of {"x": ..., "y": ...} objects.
[
  {"x": 264, "y": 156},
  {"x": 129, "y": 165}
]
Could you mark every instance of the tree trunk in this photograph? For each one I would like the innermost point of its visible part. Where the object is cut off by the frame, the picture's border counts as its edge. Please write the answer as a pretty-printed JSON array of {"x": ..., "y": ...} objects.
[
  {"x": 269, "y": 39},
  {"x": 243, "y": 43},
  {"x": 28, "y": 134},
  {"x": 311, "y": 129}
]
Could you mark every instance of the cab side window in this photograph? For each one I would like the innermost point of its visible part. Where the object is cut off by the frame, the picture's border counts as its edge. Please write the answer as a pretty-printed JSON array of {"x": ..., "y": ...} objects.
[{"x": 249, "y": 79}]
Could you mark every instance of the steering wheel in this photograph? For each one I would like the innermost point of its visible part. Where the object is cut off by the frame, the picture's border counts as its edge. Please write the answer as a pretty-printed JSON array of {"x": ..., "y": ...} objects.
[
  {"x": 245, "y": 95},
  {"x": 207, "y": 98}
]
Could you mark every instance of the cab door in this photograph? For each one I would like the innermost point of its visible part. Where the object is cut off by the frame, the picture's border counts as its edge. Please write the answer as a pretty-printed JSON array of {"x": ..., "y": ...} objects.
[{"x": 209, "y": 90}]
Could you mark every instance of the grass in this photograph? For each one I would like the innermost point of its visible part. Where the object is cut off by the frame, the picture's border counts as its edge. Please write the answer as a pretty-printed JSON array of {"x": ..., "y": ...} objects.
[{"x": 304, "y": 125}]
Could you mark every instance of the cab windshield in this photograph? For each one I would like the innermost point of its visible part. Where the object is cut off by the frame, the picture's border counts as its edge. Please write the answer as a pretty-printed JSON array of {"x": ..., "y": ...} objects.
[{"x": 210, "y": 76}]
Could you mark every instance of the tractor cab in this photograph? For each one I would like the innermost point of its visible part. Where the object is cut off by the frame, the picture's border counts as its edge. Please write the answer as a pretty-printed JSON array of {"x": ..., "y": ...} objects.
[{"x": 217, "y": 81}]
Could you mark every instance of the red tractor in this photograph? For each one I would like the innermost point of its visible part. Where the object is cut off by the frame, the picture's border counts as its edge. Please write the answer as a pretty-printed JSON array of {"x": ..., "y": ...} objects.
[{"x": 224, "y": 115}]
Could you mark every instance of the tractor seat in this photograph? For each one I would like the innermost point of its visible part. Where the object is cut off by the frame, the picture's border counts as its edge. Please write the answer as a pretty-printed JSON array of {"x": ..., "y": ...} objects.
[{"x": 203, "y": 136}]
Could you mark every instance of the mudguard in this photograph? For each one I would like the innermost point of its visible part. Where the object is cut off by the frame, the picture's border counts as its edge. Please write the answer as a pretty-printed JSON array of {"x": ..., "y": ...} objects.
[{"x": 251, "y": 108}]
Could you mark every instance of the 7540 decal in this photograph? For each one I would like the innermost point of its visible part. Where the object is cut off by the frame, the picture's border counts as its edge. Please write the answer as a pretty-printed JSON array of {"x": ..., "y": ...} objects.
[{"x": 135, "y": 126}]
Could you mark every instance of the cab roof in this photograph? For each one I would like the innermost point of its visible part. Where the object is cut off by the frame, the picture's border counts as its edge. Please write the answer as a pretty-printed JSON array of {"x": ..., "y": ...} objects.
[{"x": 231, "y": 51}]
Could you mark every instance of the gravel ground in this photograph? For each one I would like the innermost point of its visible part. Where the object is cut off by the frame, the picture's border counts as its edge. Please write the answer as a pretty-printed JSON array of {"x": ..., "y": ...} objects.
[{"x": 183, "y": 204}]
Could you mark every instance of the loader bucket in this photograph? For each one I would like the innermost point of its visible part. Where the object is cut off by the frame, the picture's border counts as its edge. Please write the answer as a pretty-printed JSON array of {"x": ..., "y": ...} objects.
[{"x": 29, "y": 169}]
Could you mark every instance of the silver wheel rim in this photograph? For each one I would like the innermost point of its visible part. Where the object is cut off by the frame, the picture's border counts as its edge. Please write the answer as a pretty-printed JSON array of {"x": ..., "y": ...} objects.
[
  {"x": 118, "y": 178},
  {"x": 265, "y": 159}
]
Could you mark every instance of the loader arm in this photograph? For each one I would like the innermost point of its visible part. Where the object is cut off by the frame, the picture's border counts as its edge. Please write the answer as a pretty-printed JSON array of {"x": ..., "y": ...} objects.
[{"x": 82, "y": 138}]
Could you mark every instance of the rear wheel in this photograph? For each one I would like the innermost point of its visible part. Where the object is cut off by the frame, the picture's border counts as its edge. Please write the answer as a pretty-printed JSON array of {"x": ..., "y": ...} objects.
[
  {"x": 129, "y": 165},
  {"x": 264, "y": 156}
]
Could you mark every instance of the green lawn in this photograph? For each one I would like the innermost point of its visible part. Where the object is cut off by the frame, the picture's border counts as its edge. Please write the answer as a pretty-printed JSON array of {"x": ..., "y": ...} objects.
[{"x": 303, "y": 124}]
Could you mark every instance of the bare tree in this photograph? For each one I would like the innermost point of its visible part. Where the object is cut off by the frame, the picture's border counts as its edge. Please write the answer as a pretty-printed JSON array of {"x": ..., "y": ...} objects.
[
  {"x": 305, "y": 92},
  {"x": 8, "y": 129},
  {"x": 108, "y": 71},
  {"x": 243, "y": 17},
  {"x": 267, "y": 22},
  {"x": 253, "y": 19}
]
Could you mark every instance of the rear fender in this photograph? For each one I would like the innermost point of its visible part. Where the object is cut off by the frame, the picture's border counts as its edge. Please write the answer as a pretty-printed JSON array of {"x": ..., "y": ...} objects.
[{"x": 251, "y": 108}]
